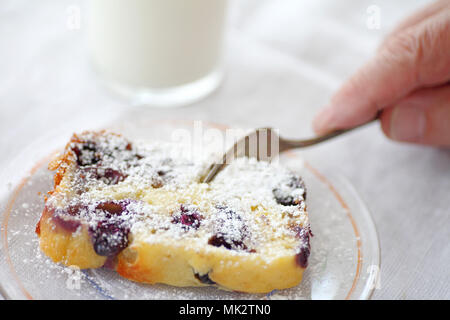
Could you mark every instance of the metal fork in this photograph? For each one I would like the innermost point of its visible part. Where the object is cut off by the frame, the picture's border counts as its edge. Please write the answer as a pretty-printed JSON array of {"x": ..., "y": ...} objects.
[{"x": 265, "y": 144}]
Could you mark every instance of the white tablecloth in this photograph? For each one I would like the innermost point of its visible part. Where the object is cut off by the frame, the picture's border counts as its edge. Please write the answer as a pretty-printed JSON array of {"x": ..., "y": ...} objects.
[{"x": 283, "y": 61}]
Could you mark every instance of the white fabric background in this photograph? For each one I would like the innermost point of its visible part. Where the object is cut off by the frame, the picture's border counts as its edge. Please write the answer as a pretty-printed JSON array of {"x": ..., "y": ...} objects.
[{"x": 283, "y": 61}]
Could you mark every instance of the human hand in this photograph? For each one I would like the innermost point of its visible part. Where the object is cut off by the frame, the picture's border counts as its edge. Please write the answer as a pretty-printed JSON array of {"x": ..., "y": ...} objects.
[{"x": 408, "y": 82}]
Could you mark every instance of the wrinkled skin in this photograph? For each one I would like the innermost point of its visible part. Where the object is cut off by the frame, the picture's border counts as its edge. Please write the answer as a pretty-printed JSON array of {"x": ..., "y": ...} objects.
[{"x": 407, "y": 81}]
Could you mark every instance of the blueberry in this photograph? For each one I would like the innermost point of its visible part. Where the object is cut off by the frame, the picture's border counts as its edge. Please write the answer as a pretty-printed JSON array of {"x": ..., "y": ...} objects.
[
  {"x": 301, "y": 258},
  {"x": 204, "y": 278},
  {"x": 230, "y": 230},
  {"x": 111, "y": 207},
  {"x": 109, "y": 237},
  {"x": 288, "y": 194},
  {"x": 87, "y": 153},
  {"x": 94, "y": 158},
  {"x": 111, "y": 176},
  {"x": 187, "y": 217},
  {"x": 218, "y": 240},
  {"x": 67, "y": 218},
  {"x": 107, "y": 175},
  {"x": 67, "y": 223}
]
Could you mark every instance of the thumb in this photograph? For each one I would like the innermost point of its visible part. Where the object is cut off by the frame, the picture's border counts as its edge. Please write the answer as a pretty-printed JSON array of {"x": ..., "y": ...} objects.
[{"x": 423, "y": 117}]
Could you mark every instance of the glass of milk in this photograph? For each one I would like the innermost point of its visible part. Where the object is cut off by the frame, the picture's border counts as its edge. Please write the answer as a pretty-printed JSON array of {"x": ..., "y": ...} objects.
[{"x": 158, "y": 52}]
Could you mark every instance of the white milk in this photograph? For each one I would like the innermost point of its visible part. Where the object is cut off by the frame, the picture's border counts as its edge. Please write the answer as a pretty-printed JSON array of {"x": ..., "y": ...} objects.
[{"x": 162, "y": 52}]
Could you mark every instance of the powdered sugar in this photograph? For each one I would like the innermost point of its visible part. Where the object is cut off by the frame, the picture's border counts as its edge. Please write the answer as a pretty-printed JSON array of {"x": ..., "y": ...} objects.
[{"x": 239, "y": 210}]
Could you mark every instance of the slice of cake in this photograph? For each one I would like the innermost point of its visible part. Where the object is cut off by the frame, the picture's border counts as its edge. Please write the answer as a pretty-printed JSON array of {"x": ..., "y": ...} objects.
[{"x": 139, "y": 209}]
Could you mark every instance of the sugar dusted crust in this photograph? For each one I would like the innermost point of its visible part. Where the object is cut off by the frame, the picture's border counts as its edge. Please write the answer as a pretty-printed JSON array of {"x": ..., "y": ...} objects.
[{"x": 139, "y": 209}]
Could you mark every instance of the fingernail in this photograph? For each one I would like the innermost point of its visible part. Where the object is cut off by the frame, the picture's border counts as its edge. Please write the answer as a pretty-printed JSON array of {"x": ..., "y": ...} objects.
[
  {"x": 407, "y": 124},
  {"x": 323, "y": 121}
]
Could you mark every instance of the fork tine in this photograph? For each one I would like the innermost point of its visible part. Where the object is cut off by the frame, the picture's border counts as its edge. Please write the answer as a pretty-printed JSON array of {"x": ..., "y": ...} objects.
[{"x": 262, "y": 143}]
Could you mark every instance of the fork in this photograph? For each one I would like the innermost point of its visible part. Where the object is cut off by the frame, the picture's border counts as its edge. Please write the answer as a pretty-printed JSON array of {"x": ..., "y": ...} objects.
[{"x": 265, "y": 144}]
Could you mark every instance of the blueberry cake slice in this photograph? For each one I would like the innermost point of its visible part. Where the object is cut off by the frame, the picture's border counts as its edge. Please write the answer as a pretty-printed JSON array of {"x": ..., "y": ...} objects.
[{"x": 140, "y": 210}]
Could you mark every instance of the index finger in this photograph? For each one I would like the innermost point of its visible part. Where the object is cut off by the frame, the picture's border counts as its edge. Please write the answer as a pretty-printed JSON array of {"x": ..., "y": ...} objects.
[
  {"x": 422, "y": 14},
  {"x": 414, "y": 58}
]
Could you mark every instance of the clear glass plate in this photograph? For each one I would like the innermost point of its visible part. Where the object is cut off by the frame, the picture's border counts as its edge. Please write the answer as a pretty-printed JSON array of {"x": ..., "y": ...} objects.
[{"x": 344, "y": 262}]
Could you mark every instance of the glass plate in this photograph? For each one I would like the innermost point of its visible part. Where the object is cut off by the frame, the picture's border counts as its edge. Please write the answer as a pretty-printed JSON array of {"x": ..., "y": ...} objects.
[{"x": 344, "y": 262}]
